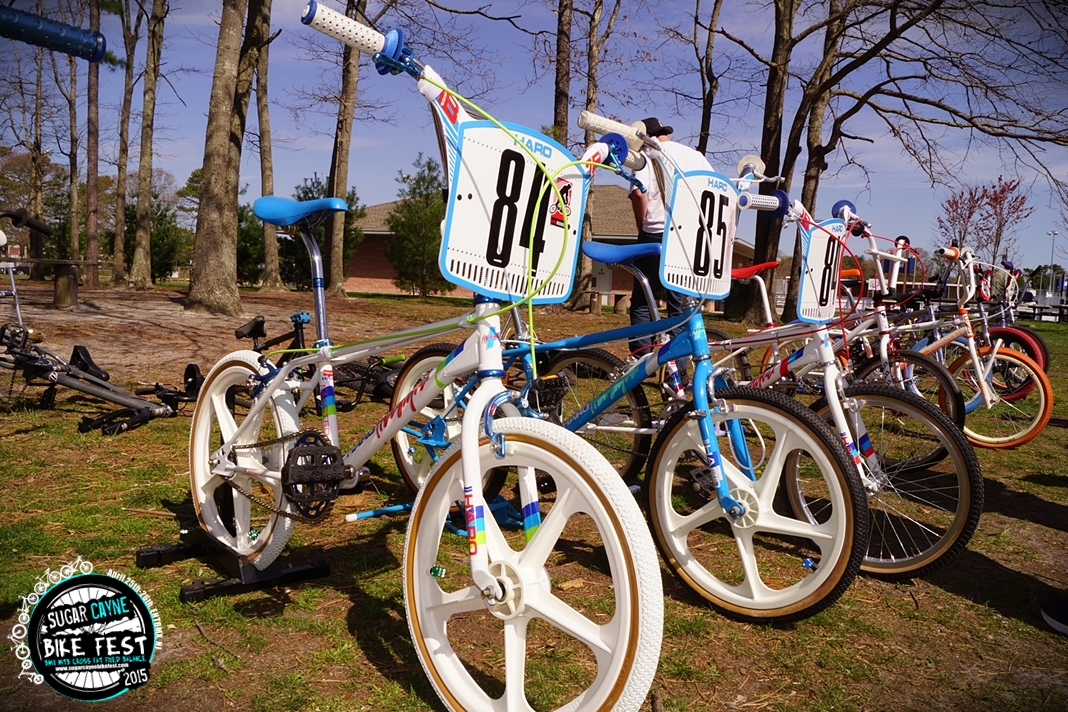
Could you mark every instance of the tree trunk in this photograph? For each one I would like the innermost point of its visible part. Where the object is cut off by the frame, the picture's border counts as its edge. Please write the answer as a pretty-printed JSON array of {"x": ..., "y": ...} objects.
[
  {"x": 73, "y": 214},
  {"x": 92, "y": 157},
  {"x": 562, "y": 92},
  {"x": 272, "y": 279},
  {"x": 257, "y": 31},
  {"x": 131, "y": 30},
  {"x": 594, "y": 46},
  {"x": 814, "y": 168},
  {"x": 141, "y": 268},
  {"x": 337, "y": 182},
  {"x": 709, "y": 81},
  {"x": 213, "y": 280},
  {"x": 37, "y": 172},
  {"x": 743, "y": 302}
]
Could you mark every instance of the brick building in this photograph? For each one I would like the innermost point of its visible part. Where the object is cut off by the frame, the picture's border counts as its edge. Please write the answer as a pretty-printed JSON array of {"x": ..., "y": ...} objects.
[{"x": 611, "y": 218}]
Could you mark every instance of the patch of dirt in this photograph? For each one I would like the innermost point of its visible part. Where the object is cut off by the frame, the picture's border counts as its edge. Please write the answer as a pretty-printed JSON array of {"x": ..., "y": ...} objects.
[{"x": 151, "y": 336}]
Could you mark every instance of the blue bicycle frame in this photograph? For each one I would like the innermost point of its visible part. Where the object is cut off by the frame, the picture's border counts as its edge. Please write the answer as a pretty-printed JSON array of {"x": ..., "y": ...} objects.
[{"x": 691, "y": 342}]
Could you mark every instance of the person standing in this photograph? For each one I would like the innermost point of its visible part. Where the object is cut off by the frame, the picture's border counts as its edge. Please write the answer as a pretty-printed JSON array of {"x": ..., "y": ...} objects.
[{"x": 650, "y": 216}]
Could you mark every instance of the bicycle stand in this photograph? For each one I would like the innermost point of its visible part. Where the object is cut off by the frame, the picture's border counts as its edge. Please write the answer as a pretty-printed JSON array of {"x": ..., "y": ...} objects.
[{"x": 242, "y": 575}]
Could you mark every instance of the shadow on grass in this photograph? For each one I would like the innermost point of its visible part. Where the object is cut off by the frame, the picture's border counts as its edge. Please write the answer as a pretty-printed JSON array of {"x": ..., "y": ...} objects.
[
  {"x": 376, "y": 618},
  {"x": 1024, "y": 505},
  {"x": 1046, "y": 479},
  {"x": 1009, "y": 592},
  {"x": 1058, "y": 422}
]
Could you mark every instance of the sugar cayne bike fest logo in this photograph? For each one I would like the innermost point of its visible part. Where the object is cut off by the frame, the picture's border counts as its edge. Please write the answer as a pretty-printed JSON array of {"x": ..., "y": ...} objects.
[{"x": 89, "y": 636}]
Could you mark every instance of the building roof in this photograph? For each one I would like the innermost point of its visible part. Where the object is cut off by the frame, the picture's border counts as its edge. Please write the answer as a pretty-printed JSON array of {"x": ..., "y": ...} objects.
[{"x": 610, "y": 216}]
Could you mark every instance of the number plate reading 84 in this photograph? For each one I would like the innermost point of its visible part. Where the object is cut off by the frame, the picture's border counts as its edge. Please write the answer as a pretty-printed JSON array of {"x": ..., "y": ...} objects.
[
  {"x": 697, "y": 262},
  {"x": 498, "y": 219},
  {"x": 821, "y": 255}
]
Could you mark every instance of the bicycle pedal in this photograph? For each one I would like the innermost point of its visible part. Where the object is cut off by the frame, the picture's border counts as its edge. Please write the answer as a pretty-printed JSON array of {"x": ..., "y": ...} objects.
[
  {"x": 312, "y": 475},
  {"x": 701, "y": 479}
]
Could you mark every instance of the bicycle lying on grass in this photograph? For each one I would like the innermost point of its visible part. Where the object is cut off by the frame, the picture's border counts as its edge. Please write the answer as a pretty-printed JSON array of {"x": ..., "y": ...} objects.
[
  {"x": 42, "y": 368},
  {"x": 254, "y": 473}
]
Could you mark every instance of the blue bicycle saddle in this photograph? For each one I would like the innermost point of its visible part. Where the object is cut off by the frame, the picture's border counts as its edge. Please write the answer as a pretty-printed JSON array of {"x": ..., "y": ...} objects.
[
  {"x": 284, "y": 212},
  {"x": 619, "y": 254}
]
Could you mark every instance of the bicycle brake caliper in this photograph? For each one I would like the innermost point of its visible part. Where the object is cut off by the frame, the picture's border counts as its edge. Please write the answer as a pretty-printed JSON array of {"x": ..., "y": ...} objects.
[
  {"x": 715, "y": 469},
  {"x": 496, "y": 439}
]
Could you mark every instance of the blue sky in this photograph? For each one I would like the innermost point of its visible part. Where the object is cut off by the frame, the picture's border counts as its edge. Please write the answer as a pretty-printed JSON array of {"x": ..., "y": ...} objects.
[{"x": 895, "y": 197}]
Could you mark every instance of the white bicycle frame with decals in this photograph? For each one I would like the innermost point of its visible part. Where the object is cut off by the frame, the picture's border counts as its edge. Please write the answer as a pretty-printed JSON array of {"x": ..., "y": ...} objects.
[
  {"x": 479, "y": 353},
  {"x": 818, "y": 352}
]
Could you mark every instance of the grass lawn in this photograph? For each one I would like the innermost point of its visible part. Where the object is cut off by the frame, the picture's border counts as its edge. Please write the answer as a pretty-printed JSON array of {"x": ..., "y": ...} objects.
[{"x": 969, "y": 637}]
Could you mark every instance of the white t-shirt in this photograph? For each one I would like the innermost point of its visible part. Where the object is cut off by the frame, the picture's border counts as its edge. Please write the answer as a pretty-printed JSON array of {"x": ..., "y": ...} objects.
[{"x": 688, "y": 160}]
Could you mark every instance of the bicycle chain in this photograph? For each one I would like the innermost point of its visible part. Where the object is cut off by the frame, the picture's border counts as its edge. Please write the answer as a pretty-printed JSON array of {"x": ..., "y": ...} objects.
[{"x": 256, "y": 500}]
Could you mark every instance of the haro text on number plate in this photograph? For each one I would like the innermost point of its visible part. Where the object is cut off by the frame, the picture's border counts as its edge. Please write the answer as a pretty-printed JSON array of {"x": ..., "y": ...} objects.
[{"x": 501, "y": 226}]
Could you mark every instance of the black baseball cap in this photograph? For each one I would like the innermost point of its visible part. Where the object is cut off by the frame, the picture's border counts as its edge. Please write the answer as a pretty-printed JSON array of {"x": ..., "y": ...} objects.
[{"x": 654, "y": 129}]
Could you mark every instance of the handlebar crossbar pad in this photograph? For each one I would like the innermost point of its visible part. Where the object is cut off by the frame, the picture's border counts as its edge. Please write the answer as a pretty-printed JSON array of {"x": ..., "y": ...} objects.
[
  {"x": 599, "y": 124},
  {"x": 42, "y": 32},
  {"x": 343, "y": 28}
]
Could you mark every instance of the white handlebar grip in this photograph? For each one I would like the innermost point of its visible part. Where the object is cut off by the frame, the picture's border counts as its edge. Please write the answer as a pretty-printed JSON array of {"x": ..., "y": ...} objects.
[
  {"x": 750, "y": 201},
  {"x": 599, "y": 124},
  {"x": 634, "y": 161},
  {"x": 344, "y": 29}
]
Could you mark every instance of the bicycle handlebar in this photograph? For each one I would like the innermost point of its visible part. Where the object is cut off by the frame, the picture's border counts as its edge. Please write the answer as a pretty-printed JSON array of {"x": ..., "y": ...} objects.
[
  {"x": 599, "y": 124},
  {"x": 389, "y": 51},
  {"x": 778, "y": 202},
  {"x": 42, "y": 32},
  {"x": 342, "y": 28},
  {"x": 21, "y": 218}
]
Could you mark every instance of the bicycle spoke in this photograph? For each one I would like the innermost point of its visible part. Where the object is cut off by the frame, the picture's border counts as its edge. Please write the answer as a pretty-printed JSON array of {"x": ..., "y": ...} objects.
[
  {"x": 541, "y": 545},
  {"x": 600, "y": 639},
  {"x": 515, "y": 661}
]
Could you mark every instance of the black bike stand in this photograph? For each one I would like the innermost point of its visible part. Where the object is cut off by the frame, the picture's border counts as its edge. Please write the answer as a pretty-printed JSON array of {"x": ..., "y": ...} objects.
[{"x": 243, "y": 576}]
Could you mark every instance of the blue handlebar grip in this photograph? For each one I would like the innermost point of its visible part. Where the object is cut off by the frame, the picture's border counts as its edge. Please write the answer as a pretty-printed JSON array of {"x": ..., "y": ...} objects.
[
  {"x": 784, "y": 203},
  {"x": 42, "y": 32}
]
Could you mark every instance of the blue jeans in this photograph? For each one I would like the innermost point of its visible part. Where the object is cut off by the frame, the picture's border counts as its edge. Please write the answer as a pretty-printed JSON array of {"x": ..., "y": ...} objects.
[{"x": 639, "y": 307}]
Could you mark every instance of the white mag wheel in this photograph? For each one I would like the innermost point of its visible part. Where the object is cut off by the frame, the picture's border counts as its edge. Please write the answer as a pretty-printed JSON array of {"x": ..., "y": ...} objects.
[
  {"x": 581, "y": 625},
  {"x": 224, "y": 513},
  {"x": 767, "y": 565}
]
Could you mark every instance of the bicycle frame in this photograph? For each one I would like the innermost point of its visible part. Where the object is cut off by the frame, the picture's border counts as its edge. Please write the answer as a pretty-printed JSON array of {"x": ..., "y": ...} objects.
[{"x": 480, "y": 352}]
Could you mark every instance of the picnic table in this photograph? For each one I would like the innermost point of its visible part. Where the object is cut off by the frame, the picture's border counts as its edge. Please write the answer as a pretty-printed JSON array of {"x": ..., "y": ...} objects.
[{"x": 1036, "y": 312}]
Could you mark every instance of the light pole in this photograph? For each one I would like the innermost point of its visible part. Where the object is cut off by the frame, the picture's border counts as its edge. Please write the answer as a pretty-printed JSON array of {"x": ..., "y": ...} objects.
[{"x": 1052, "y": 241}]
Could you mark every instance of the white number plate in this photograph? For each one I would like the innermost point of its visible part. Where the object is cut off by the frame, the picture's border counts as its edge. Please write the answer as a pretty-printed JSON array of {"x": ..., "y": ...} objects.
[
  {"x": 821, "y": 255},
  {"x": 696, "y": 262},
  {"x": 497, "y": 231}
]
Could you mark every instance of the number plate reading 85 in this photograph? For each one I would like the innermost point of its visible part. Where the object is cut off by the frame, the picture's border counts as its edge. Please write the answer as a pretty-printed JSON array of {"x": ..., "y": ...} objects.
[
  {"x": 697, "y": 262},
  {"x": 821, "y": 255},
  {"x": 498, "y": 220}
]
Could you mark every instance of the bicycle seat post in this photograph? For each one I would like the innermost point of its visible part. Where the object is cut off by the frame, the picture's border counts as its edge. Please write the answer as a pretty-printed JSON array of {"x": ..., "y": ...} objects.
[{"x": 318, "y": 283}]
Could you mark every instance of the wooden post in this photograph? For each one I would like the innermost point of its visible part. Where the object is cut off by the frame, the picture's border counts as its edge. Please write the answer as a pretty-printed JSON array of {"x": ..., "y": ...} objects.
[{"x": 65, "y": 294}]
